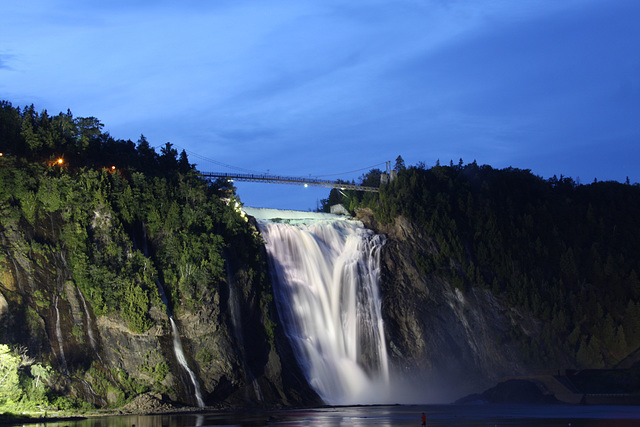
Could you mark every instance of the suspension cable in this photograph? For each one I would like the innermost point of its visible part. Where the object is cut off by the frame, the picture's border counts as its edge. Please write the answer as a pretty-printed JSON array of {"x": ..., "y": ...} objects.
[{"x": 225, "y": 165}]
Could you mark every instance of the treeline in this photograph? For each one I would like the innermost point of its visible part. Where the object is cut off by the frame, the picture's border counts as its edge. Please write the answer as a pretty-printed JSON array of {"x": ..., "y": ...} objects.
[
  {"x": 80, "y": 142},
  {"x": 567, "y": 252}
]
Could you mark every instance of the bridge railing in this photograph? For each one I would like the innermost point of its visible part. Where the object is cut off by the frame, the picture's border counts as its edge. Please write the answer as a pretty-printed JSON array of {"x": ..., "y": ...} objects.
[{"x": 278, "y": 179}]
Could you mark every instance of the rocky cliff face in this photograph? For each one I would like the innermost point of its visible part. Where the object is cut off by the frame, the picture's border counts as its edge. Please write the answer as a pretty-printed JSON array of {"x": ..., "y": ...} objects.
[
  {"x": 443, "y": 341},
  {"x": 448, "y": 342},
  {"x": 239, "y": 358}
]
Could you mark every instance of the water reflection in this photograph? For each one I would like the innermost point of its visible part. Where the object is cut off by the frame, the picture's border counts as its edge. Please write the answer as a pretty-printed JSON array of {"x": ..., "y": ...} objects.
[{"x": 437, "y": 415}]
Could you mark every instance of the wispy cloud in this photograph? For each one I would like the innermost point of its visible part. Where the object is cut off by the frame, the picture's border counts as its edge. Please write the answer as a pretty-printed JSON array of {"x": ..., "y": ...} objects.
[
  {"x": 296, "y": 86},
  {"x": 5, "y": 59}
]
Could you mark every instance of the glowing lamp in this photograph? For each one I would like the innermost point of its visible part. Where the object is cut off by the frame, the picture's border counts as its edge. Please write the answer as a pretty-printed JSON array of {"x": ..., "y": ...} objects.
[{"x": 60, "y": 161}]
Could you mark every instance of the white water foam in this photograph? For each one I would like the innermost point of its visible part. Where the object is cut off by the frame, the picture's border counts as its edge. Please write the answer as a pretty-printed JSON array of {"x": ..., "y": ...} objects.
[{"x": 328, "y": 300}]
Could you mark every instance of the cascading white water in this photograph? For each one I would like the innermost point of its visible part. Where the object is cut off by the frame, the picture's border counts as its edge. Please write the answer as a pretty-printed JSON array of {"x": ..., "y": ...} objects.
[
  {"x": 177, "y": 348},
  {"x": 177, "y": 343},
  {"x": 63, "y": 359},
  {"x": 92, "y": 340},
  {"x": 328, "y": 299}
]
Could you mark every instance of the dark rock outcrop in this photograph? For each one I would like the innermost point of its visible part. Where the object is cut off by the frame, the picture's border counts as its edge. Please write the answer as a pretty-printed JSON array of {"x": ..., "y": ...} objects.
[
  {"x": 513, "y": 391},
  {"x": 445, "y": 341}
]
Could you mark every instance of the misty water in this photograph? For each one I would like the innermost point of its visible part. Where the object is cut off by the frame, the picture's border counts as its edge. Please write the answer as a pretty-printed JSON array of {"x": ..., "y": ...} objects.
[{"x": 326, "y": 271}]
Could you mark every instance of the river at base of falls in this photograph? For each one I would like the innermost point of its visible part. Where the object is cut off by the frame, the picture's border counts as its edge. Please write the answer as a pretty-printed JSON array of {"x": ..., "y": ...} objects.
[
  {"x": 398, "y": 415},
  {"x": 326, "y": 272}
]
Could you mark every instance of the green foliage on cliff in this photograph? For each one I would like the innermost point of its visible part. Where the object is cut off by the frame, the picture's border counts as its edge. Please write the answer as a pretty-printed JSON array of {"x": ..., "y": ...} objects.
[
  {"x": 566, "y": 252},
  {"x": 122, "y": 218}
]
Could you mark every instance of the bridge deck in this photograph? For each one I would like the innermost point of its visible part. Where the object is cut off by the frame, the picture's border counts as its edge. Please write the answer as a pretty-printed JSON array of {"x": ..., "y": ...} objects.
[{"x": 276, "y": 179}]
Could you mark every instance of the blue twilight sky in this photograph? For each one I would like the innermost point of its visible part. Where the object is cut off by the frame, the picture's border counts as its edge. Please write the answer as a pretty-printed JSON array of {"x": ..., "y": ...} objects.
[{"x": 321, "y": 87}]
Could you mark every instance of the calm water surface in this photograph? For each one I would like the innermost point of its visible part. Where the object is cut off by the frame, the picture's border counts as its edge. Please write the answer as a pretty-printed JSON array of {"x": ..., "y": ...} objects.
[{"x": 437, "y": 415}]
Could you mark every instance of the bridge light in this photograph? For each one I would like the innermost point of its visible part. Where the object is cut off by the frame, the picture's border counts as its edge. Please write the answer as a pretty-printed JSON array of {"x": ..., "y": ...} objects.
[{"x": 306, "y": 185}]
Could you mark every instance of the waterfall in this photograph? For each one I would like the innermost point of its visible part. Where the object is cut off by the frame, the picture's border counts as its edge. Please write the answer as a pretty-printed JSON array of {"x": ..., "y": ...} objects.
[
  {"x": 177, "y": 348},
  {"x": 89, "y": 326},
  {"x": 326, "y": 287},
  {"x": 92, "y": 339},
  {"x": 177, "y": 343},
  {"x": 63, "y": 359}
]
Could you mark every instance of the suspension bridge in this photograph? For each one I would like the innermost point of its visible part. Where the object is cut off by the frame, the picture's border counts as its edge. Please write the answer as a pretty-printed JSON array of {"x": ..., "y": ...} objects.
[
  {"x": 253, "y": 176},
  {"x": 291, "y": 180}
]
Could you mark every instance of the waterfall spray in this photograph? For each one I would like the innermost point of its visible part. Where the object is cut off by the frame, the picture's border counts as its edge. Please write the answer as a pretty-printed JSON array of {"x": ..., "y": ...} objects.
[{"x": 326, "y": 288}]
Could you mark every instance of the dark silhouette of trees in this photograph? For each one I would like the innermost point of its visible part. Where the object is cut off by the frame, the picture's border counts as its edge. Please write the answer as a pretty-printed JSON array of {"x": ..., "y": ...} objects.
[
  {"x": 81, "y": 142},
  {"x": 566, "y": 252}
]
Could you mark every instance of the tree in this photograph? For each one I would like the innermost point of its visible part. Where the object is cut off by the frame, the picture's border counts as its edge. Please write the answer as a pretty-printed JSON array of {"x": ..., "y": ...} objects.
[
  {"x": 89, "y": 130},
  {"x": 400, "y": 166},
  {"x": 28, "y": 132},
  {"x": 40, "y": 373},
  {"x": 371, "y": 178},
  {"x": 183, "y": 163},
  {"x": 146, "y": 154},
  {"x": 168, "y": 157},
  {"x": 9, "y": 378},
  {"x": 10, "y": 123}
]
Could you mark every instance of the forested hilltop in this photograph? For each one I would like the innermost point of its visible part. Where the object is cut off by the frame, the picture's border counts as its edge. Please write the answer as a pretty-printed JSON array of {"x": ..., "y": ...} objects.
[
  {"x": 100, "y": 240},
  {"x": 567, "y": 253}
]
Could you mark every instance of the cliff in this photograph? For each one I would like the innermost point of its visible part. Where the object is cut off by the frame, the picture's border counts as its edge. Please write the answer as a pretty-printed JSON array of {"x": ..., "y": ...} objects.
[
  {"x": 444, "y": 342},
  {"x": 97, "y": 265},
  {"x": 82, "y": 277},
  {"x": 504, "y": 272}
]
